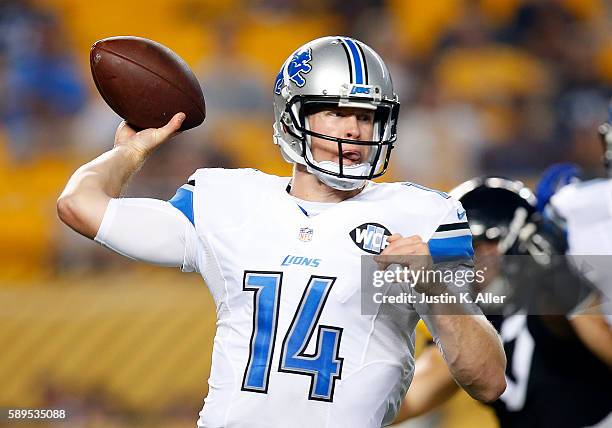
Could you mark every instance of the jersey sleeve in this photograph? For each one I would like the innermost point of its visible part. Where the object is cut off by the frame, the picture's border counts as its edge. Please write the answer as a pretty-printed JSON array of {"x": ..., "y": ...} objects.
[
  {"x": 183, "y": 200},
  {"x": 149, "y": 230},
  {"x": 452, "y": 240}
]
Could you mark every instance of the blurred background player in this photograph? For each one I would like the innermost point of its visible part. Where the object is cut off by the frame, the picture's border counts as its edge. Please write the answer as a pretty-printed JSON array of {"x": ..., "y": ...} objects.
[
  {"x": 292, "y": 347},
  {"x": 585, "y": 208},
  {"x": 558, "y": 374}
]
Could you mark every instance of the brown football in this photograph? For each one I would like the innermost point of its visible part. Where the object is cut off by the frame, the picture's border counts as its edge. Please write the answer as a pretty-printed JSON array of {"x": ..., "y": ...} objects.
[{"x": 146, "y": 83}]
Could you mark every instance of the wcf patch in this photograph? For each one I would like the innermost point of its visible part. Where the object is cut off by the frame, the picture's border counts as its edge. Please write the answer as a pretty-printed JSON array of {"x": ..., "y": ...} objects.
[{"x": 370, "y": 237}]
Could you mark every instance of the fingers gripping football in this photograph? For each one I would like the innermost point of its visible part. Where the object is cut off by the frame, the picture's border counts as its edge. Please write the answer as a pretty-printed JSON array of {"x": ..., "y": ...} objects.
[{"x": 147, "y": 140}]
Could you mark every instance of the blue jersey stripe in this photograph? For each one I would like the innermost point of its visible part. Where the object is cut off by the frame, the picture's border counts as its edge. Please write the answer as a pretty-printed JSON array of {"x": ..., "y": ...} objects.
[
  {"x": 359, "y": 79},
  {"x": 303, "y": 210},
  {"x": 455, "y": 248},
  {"x": 183, "y": 201}
]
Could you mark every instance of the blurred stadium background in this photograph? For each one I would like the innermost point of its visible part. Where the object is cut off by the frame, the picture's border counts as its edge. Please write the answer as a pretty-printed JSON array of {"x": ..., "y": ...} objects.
[{"x": 486, "y": 86}]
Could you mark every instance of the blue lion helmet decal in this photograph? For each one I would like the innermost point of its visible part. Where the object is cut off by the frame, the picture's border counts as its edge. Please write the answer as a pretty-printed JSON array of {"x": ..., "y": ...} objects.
[{"x": 300, "y": 63}]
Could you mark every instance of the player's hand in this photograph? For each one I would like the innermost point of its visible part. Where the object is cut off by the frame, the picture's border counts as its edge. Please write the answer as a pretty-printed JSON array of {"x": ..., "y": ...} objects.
[
  {"x": 411, "y": 252},
  {"x": 147, "y": 140}
]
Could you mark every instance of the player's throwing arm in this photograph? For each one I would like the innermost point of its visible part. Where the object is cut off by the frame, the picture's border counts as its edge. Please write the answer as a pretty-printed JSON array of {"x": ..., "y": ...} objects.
[{"x": 86, "y": 196}]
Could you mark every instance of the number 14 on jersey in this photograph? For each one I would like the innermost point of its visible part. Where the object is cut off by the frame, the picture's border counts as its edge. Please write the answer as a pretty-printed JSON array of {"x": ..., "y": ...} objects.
[{"x": 324, "y": 366}]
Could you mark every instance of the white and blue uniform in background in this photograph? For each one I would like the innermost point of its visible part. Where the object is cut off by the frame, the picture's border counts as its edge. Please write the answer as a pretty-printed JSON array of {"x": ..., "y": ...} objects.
[{"x": 586, "y": 207}]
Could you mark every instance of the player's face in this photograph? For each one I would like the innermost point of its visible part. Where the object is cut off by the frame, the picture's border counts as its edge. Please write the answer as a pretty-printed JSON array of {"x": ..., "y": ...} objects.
[{"x": 342, "y": 122}]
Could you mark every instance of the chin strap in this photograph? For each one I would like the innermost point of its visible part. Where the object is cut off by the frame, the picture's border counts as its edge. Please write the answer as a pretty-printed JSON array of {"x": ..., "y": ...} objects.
[{"x": 339, "y": 183}]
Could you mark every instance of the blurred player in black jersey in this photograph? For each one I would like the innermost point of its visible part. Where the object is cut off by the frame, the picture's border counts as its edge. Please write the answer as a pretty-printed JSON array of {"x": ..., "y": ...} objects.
[{"x": 557, "y": 375}]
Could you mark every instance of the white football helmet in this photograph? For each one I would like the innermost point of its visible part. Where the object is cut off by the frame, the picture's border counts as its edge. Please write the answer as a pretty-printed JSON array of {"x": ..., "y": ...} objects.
[{"x": 335, "y": 71}]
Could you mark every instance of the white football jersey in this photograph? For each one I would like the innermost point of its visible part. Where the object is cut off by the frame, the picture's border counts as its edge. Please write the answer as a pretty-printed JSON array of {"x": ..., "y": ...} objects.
[
  {"x": 587, "y": 209},
  {"x": 292, "y": 348}
]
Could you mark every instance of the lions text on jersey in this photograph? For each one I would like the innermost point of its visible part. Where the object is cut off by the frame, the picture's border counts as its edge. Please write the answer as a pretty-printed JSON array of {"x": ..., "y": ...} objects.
[{"x": 291, "y": 347}]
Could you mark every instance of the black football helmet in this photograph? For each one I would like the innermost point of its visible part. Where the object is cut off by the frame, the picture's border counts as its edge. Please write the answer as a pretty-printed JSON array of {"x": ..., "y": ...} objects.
[
  {"x": 493, "y": 203},
  {"x": 504, "y": 211}
]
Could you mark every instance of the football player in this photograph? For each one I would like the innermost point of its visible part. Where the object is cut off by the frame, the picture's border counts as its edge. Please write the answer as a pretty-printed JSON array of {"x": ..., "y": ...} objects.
[
  {"x": 558, "y": 374},
  {"x": 282, "y": 255},
  {"x": 586, "y": 210}
]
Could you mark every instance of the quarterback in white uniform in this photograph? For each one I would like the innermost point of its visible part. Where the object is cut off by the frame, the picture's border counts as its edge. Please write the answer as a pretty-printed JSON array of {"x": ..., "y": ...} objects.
[{"x": 282, "y": 255}]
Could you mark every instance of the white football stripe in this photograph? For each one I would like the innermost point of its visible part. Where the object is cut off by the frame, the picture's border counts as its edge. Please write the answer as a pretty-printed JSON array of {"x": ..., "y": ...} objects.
[{"x": 451, "y": 233}]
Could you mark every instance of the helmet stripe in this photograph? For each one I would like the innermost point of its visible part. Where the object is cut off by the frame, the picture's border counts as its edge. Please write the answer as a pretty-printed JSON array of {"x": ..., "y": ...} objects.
[
  {"x": 348, "y": 58},
  {"x": 365, "y": 63},
  {"x": 357, "y": 61}
]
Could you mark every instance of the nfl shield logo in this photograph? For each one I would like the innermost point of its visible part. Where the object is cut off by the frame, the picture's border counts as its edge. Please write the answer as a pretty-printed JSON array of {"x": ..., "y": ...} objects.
[{"x": 305, "y": 234}]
